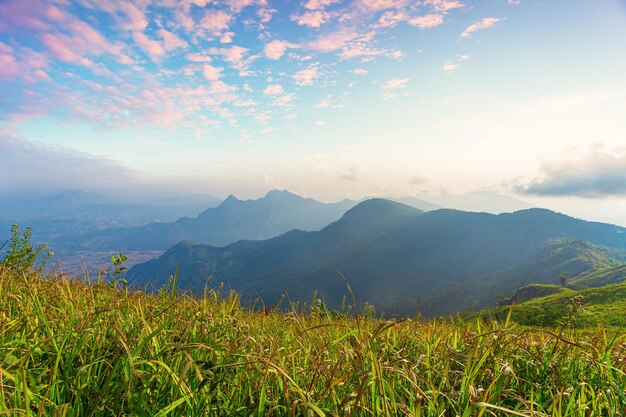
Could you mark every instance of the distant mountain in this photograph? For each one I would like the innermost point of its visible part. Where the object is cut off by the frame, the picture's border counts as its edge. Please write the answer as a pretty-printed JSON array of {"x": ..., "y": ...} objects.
[
  {"x": 396, "y": 257},
  {"x": 233, "y": 220},
  {"x": 185, "y": 199},
  {"x": 418, "y": 203},
  {"x": 91, "y": 211},
  {"x": 73, "y": 198},
  {"x": 62, "y": 220},
  {"x": 49, "y": 207}
]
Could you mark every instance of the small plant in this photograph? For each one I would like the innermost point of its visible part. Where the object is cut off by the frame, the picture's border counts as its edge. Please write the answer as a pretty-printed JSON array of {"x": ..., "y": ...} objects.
[
  {"x": 574, "y": 307},
  {"x": 117, "y": 261},
  {"x": 22, "y": 255}
]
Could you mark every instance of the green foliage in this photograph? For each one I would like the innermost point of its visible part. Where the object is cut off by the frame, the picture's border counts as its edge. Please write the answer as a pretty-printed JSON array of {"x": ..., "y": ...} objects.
[
  {"x": 67, "y": 348},
  {"x": 21, "y": 254},
  {"x": 117, "y": 261}
]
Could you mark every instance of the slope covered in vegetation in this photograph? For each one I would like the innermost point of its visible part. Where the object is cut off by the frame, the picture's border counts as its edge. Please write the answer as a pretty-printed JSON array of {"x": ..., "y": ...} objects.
[
  {"x": 602, "y": 306},
  {"x": 67, "y": 348}
]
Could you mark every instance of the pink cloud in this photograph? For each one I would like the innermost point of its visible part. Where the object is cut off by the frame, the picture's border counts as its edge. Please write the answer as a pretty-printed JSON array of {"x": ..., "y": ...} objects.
[
  {"x": 426, "y": 22},
  {"x": 319, "y": 4},
  {"x": 484, "y": 23},
  {"x": 379, "y": 5},
  {"x": 130, "y": 15},
  {"x": 276, "y": 49},
  {"x": 333, "y": 41},
  {"x": 23, "y": 14},
  {"x": 156, "y": 49},
  {"x": 274, "y": 89},
  {"x": 306, "y": 76},
  {"x": 9, "y": 68},
  {"x": 395, "y": 83},
  {"x": 150, "y": 46},
  {"x": 196, "y": 57},
  {"x": 211, "y": 73},
  {"x": 171, "y": 41},
  {"x": 442, "y": 6},
  {"x": 312, "y": 18},
  {"x": 216, "y": 21},
  {"x": 62, "y": 47}
]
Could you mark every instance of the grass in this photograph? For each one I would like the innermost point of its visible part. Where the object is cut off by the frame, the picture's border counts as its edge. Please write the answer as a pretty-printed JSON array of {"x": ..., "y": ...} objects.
[{"x": 72, "y": 349}]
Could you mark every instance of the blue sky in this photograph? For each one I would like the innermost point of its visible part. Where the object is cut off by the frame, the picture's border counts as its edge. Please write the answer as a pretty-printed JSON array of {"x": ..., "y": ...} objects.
[{"x": 328, "y": 98}]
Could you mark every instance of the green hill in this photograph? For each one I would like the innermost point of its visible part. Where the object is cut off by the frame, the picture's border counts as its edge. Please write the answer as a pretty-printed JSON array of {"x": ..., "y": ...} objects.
[
  {"x": 603, "y": 306},
  {"x": 599, "y": 277},
  {"x": 532, "y": 291},
  {"x": 397, "y": 258}
]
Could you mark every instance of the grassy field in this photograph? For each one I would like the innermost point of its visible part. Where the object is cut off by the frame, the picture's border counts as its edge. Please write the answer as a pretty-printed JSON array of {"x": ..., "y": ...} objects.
[{"x": 70, "y": 349}]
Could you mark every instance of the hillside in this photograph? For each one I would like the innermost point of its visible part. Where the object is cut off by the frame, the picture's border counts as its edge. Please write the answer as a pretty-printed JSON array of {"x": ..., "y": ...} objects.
[
  {"x": 599, "y": 277},
  {"x": 71, "y": 349},
  {"x": 603, "y": 306},
  {"x": 233, "y": 220},
  {"x": 396, "y": 257}
]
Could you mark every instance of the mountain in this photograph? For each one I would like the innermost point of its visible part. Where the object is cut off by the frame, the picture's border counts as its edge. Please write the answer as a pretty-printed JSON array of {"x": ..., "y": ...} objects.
[
  {"x": 49, "y": 207},
  {"x": 418, "y": 203},
  {"x": 233, "y": 220},
  {"x": 90, "y": 211},
  {"x": 395, "y": 257},
  {"x": 205, "y": 200}
]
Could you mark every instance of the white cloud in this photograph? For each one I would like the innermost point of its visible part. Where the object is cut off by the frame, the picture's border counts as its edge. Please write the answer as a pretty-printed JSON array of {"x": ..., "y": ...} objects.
[
  {"x": 450, "y": 67},
  {"x": 393, "y": 88},
  {"x": 395, "y": 83},
  {"x": 595, "y": 171}
]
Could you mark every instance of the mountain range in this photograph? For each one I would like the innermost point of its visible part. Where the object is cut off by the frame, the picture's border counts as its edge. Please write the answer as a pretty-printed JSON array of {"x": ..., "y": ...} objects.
[
  {"x": 275, "y": 213},
  {"x": 398, "y": 258}
]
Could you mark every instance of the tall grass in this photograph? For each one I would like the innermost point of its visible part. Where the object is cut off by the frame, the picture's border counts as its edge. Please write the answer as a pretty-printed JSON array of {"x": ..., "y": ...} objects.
[{"x": 72, "y": 349}]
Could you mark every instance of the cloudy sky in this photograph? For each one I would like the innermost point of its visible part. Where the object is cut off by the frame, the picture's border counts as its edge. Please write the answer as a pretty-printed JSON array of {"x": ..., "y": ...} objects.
[{"x": 327, "y": 98}]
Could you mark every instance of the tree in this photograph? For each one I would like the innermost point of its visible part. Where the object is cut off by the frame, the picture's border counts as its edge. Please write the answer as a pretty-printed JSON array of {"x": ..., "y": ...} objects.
[{"x": 563, "y": 278}]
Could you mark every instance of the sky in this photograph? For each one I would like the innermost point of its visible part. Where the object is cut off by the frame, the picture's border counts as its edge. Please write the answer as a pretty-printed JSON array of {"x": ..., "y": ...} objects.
[{"x": 327, "y": 98}]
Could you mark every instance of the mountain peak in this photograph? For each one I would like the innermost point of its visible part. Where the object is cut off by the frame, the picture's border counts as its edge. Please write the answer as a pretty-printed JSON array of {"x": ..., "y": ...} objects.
[
  {"x": 230, "y": 199},
  {"x": 274, "y": 194},
  {"x": 377, "y": 208},
  {"x": 76, "y": 196}
]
